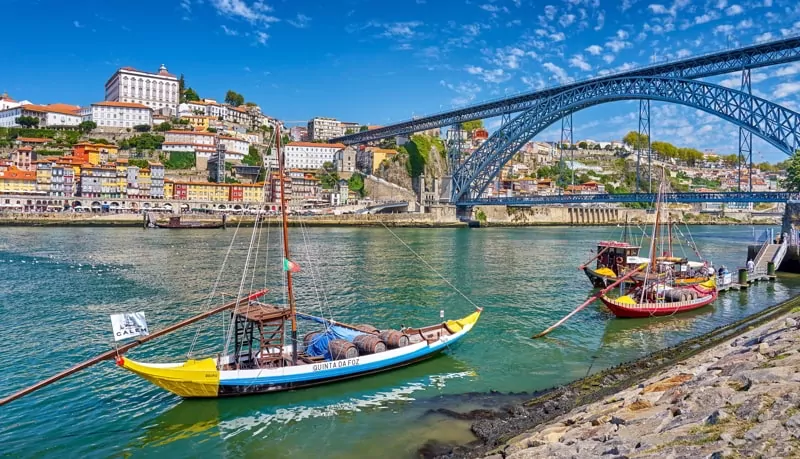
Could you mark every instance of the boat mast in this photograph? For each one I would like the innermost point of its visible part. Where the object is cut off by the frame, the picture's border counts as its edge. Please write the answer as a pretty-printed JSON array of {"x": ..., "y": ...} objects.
[
  {"x": 654, "y": 241},
  {"x": 285, "y": 228},
  {"x": 625, "y": 230}
]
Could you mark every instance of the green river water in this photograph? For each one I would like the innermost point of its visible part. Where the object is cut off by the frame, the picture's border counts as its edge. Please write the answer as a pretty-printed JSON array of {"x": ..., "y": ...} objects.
[{"x": 59, "y": 286}]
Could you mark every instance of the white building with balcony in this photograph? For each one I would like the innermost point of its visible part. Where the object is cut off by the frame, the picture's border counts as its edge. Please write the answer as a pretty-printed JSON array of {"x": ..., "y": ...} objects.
[
  {"x": 118, "y": 114},
  {"x": 159, "y": 91},
  {"x": 235, "y": 149},
  {"x": 308, "y": 155}
]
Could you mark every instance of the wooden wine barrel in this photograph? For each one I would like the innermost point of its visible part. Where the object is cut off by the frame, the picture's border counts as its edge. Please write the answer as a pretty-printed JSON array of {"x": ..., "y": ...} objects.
[
  {"x": 394, "y": 339},
  {"x": 369, "y": 344},
  {"x": 342, "y": 349},
  {"x": 367, "y": 328},
  {"x": 309, "y": 337}
]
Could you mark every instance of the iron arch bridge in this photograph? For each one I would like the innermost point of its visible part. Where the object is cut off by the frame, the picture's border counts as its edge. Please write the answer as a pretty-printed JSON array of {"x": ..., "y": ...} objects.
[{"x": 775, "y": 124}]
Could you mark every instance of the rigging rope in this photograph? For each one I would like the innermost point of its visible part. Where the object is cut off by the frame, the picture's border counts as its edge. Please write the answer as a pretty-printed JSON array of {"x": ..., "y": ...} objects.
[
  {"x": 216, "y": 284},
  {"x": 314, "y": 274},
  {"x": 429, "y": 266}
]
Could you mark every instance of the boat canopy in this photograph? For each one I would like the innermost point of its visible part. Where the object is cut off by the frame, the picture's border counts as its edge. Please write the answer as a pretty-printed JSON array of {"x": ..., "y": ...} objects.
[
  {"x": 616, "y": 245},
  {"x": 696, "y": 264},
  {"x": 638, "y": 260}
]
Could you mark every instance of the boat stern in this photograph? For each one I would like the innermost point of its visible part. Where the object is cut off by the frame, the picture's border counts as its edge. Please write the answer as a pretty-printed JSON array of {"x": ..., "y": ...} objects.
[{"x": 193, "y": 378}]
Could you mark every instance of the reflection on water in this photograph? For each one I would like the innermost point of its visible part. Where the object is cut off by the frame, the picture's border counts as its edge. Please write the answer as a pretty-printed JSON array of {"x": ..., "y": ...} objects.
[{"x": 60, "y": 285}]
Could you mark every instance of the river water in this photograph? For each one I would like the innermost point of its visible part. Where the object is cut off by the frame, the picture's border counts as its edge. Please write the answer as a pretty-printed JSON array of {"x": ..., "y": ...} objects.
[{"x": 59, "y": 286}]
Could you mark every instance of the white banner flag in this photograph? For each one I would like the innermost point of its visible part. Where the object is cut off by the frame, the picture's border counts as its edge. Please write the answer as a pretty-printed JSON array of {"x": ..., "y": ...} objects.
[{"x": 128, "y": 325}]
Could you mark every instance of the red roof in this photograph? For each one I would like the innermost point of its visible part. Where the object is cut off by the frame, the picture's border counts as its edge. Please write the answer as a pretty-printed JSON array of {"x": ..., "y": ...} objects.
[
  {"x": 120, "y": 104},
  {"x": 312, "y": 144},
  {"x": 13, "y": 173},
  {"x": 63, "y": 109},
  {"x": 190, "y": 132},
  {"x": 33, "y": 140}
]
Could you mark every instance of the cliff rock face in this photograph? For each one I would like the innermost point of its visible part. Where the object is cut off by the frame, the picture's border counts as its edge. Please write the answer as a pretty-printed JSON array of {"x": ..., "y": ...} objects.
[{"x": 791, "y": 217}]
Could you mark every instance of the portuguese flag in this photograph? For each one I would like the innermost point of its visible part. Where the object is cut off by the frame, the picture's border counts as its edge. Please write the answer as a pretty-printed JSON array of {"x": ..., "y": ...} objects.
[{"x": 290, "y": 266}]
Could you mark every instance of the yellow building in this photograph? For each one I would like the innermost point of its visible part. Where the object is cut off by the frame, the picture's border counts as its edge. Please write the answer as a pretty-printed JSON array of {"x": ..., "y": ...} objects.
[
  {"x": 17, "y": 181},
  {"x": 252, "y": 192},
  {"x": 145, "y": 181},
  {"x": 44, "y": 175},
  {"x": 169, "y": 188},
  {"x": 94, "y": 153},
  {"x": 207, "y": 191},
  {"x": 379, "y": 155},
  {"x": 198, "y": 122},
  {"x": 122, "y": 176}
]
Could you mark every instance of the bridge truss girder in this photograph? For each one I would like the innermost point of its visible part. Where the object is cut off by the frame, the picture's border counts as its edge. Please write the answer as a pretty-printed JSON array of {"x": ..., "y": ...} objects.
[
  {"x": 750, "y": 57},
  {"x": 595, "y": 199},
  {"x": 775, "y": 124}
]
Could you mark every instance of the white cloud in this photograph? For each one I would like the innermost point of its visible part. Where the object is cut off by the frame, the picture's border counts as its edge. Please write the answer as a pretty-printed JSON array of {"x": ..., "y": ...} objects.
[
  {"x": 767, "y": 3},
  {"x": 550, "y": 12},
  {"x": 744, "y": 24},
  {"x": 558, "y": 36},
  {"x": 791, "y": 69},
  {"x": 487, "y": 75},
  {"x": 733, "y": 10},
  {"x": 683, "y": 53},
  {"x": 401, "y": 29},
  {"x": 558, "y": 73},
  {"x": 617, "y": 45},
  {"x": 708, "y": 17},
  {"x": 566, "y": 19},
  {"x": 466, "y": 92},
  {"x": 186, "y": 5},
  {"x": 262, "y": 37},
  {"x": 77, "y": 24},
  {"x": 579, "y": 62},
  {"x": 621, "y": 34},
  {"x": 786, "y": 89},
  {"x": 609, "y": 58},
  {"x": 508, "y": 57},
  {"x": 246, "y": 69},
  {"x": 766, "y": 36},
  {"x": 238, "y": 9},
  {"x": 301, "y": 21},
  {"x": 657, "y": 8},
  {"x": 721, "y": 4},
  {"x": 533, "y": 83},
  {"x": 601, "y": 20},
  {"x": 723, "y": 29},
  {"x": 594, "y": 50},
  {"x": 228, "y": 31}
]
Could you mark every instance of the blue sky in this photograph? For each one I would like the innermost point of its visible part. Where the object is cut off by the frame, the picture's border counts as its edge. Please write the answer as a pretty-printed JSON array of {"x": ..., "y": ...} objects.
[{"x": 384, "y": 61}]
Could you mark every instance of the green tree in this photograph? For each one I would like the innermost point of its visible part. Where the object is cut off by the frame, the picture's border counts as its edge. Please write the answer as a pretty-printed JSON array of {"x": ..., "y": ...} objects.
[
  {"x": 86, "y": 126},
  {"x": 181, "y": 85},
  {"x": 327, "y": 175},
  {"x": 349, "y": 131},
  {"x": 285, "y": 139},
  {"x": 163, "y": 127},
  {"x": 27, "y": 121},
  {"x": 363, "y": 128},
  {"x": 211, "y": 130},
  {"x": 190, "y": 95},
  {"x": 356, "y": 183},
  {"x": 470, "y": 126},
  {"x": 583, "y": 145},
  {"x": 251, "y": 104},
  {"x": 635, "y": 140},
  {"x": 142, "y": 128},
  {"x": 792, "y": 180},
  {"x": 253, "y": 157},
  {"x": 180, "y": 160},
  {"x": 234, "y": 98}
]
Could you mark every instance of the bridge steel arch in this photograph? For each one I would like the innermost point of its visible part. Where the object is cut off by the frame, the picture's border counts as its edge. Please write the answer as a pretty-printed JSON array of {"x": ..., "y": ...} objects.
[{"x": 775, "y": 124}]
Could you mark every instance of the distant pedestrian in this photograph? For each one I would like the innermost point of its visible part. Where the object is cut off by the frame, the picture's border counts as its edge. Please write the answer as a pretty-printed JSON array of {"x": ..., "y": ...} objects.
[{"x": 751, "y": 266}]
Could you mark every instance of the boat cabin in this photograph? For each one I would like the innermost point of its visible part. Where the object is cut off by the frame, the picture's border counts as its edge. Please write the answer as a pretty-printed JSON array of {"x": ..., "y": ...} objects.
[{"x": 614, "y": 255}]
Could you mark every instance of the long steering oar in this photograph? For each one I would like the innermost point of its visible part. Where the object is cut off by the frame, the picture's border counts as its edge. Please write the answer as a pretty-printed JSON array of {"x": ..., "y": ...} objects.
[{"x": 587, "y": 303}]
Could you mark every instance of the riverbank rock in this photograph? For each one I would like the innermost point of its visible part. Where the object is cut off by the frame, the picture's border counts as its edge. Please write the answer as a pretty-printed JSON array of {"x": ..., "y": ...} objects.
[{"x": 740, "y": 398}]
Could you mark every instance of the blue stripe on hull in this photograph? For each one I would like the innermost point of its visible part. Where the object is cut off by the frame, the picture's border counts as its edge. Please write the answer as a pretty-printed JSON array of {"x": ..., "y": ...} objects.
[{"x": 339, "y": 373}]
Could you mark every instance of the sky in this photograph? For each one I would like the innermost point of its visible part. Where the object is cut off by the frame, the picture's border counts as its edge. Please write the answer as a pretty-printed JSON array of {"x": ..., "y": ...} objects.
[{"x": 383, "y": 61}]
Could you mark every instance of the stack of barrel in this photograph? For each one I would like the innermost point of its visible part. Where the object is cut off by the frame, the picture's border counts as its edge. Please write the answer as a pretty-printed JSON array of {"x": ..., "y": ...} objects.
[{"x": 371, "y": 342}]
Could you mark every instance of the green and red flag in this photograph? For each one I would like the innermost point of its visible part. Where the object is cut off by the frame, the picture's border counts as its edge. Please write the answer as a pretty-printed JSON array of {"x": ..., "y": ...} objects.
[{"x": 290, "y": 266}]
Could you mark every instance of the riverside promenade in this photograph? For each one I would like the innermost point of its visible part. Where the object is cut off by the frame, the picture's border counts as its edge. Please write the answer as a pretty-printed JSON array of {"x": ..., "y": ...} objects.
[{"x": 739, "y": 398}]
